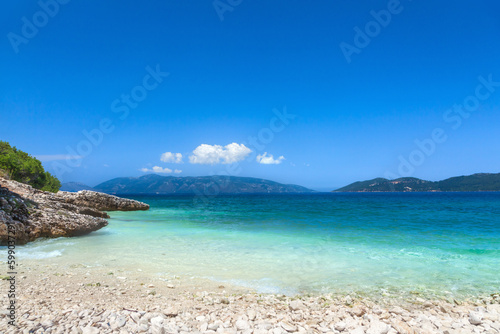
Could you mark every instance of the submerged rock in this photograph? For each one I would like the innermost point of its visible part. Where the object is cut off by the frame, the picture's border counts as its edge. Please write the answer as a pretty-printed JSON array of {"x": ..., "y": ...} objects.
[{"x": 30, "y": 213}]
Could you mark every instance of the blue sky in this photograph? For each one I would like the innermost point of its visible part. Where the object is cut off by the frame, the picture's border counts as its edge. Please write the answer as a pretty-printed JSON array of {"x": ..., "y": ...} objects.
[{"x": 371, "y": 88}]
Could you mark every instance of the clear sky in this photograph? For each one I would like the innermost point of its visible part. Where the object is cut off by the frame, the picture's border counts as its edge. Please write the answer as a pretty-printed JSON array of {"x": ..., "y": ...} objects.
[{"x": 319, "y": 93}]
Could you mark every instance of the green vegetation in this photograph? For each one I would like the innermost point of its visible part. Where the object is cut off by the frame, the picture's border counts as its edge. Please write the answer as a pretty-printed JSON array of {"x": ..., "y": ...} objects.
[
  {"x": 22, "y": 167},
  {"x": 475, "y": 182}
]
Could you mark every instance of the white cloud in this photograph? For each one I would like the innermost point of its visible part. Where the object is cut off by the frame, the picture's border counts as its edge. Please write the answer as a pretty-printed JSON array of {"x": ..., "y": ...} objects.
[
  {"x": 171, "y": 157},
  {"x": 55, "y": 157},
  {"x": 177, "y": 171},
  {"x": 269, "y": 159},
  {"x": 156, "y": 169},
  {"x": 214, "y": 154}
]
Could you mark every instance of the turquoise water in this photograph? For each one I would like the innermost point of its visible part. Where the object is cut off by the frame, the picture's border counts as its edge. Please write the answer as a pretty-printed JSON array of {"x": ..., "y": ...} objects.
[{"x": 444, "y": 244}]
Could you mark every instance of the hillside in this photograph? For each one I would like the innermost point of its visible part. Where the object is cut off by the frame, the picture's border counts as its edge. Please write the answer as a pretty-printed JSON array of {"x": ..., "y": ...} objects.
[
  {"x": 22, "y": 167},
  {"x": 475, "y": 182},
  {"x": 156, "y": 184}
]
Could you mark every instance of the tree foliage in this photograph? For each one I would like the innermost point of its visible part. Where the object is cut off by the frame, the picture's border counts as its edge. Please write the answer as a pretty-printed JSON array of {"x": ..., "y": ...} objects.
[{"x": 22, "y": 167}]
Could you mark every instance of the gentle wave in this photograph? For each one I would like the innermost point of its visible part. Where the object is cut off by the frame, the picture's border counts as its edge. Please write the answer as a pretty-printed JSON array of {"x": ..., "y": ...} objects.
[{"x": 38, "y": 255}]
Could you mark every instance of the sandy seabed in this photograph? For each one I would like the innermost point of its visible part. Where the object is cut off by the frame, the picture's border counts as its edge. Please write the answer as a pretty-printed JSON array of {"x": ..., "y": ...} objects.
[{"x": 81, "y": 299}]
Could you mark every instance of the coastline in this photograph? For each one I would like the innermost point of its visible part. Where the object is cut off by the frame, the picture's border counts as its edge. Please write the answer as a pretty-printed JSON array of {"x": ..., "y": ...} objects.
[
  {"x": 109, "y": 294},
  {"x": 94, "y": 300}
]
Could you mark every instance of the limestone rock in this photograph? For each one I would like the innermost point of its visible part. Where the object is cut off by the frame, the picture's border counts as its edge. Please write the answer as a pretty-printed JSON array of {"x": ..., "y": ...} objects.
[
  {"x": 475, "y": 318},
  {"x": 242, "y": 325},
  {"x": 170, "y": 311},
  {"x": 378, "y": 327},
  {"x": 358, "y": 311},
  {"x": 288, "y": 327},
  {"x": 296, "y": 305},
  {"x": 34, "y": 214},
  {"x": 157, "y": 321},
  {"x": 340, "y": 326},
  {"x": 251, "y": 314},
  {"x": 101, "y": 201}
]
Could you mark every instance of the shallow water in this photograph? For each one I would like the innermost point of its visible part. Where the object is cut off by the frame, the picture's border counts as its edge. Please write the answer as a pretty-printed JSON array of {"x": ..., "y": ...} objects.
[{"x": 433, "y": 244}]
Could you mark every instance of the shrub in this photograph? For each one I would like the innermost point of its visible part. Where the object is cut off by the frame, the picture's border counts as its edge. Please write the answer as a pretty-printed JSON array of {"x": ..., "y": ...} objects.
[{"x": 22, "y": 167}]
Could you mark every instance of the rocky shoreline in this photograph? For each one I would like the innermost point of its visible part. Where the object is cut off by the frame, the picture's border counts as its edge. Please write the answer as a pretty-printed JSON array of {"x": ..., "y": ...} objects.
[
  {"x": 31, "y": 213},
  {"x": 91, "y": 300}
]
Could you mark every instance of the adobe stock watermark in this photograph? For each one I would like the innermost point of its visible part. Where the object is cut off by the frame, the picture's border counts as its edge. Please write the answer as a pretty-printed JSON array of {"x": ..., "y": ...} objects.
[
  {"x": 454, "y": 117},
  {"x": 223, "y": 6},
  {"x": 373, "y": 28},
  {"x": 257, "y": 143},
  {"x": 30, "y": 27},
  {"x": 120, "y": 106}
]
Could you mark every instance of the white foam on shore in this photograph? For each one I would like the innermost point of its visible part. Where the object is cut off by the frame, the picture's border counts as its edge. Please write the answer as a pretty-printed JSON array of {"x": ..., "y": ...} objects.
[
  {"x": 44, "y": 249},
  {"x": 37, "y": 255}
]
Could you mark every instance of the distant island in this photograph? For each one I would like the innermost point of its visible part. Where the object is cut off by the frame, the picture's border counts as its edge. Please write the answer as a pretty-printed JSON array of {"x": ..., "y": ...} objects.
[
  {"x": 206, "y": 185},
  {"x": 475, "y": 182}
]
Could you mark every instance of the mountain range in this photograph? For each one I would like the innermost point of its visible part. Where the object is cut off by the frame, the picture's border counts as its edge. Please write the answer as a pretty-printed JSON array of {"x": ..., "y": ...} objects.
[
  {"x": 213, "y": 185},
  {"x": 206, "y": 185},
  {"x": 475, "y": 182}
]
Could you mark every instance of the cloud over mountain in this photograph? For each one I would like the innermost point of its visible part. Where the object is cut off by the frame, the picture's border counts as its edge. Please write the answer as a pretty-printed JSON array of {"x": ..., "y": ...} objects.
[
  {"x": 214, "y": 154},
  {"x": 157, "y": 169}
]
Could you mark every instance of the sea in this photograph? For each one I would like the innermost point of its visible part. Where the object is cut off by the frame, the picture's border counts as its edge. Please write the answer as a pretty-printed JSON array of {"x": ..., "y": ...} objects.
[{"x": 368, "y": 244}]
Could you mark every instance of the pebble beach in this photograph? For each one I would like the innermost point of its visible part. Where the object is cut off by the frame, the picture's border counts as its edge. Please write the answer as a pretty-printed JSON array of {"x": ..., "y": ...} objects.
[{"x": 87, "y": 300}]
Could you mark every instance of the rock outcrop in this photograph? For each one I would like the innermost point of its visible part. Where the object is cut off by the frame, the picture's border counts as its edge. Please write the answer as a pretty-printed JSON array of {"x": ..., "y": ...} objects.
[
  {"x": 36, "y": 214},
  {"x": 14, "y": 212},
  {"x": 101, "y": 201}
]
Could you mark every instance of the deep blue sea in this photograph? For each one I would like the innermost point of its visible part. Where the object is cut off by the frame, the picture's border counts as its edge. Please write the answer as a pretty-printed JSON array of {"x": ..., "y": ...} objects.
[{"x": 429, "y": 244}]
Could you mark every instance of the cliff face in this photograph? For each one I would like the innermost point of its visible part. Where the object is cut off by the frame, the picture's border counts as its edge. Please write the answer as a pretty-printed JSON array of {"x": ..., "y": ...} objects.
[{"x": 36, "y": 214}]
